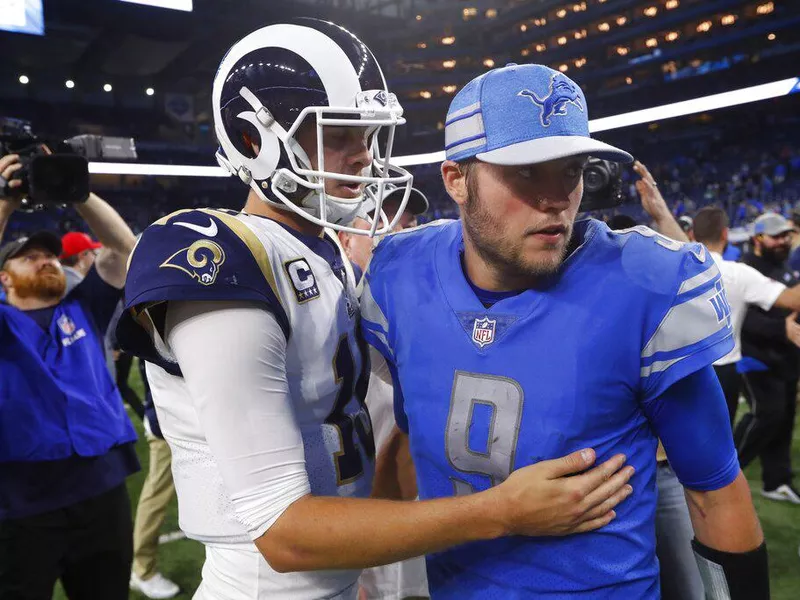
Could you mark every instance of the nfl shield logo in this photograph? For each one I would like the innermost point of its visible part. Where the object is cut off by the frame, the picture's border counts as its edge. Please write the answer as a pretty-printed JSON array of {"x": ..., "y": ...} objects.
[
  {"x": 66, "y": 325},
  {"x": 483, "y": 331}
]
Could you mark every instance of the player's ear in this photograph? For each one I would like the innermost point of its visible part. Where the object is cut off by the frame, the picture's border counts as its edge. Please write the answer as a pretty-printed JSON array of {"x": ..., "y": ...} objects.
[
  {"x": 455, "y": 181},
  {"x": 344, "y": 240},
  {"x": 5, "y": 280}
]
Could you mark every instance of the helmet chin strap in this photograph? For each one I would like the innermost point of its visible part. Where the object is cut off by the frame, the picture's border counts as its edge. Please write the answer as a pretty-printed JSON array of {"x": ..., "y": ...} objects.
[{"x": 337, "y": 212}]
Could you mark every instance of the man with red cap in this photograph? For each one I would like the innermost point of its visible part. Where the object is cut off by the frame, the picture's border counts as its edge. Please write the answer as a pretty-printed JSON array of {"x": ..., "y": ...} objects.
[{"x": 78, "y": 252}]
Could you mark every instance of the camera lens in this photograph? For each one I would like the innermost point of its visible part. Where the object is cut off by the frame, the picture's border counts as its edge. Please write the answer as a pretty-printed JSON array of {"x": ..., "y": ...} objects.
[{"x": 595, "y": 178}]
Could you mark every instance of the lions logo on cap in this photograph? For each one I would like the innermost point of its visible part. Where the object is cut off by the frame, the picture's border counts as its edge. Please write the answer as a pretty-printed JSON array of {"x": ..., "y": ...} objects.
[
  {"x": 554, "y": 104},
  {"x": 202, "y": 261}
]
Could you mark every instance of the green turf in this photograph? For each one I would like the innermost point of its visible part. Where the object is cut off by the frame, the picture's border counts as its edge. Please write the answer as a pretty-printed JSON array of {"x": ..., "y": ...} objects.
[{"x": 181, "y": 561}]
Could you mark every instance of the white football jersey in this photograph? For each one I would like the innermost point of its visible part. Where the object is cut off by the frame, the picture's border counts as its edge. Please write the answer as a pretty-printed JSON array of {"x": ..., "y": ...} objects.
[{"x": 225, "y": 255}]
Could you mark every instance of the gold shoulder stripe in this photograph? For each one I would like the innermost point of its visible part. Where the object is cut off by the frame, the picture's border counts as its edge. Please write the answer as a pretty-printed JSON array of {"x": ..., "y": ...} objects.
[
  {"x": 165, "y": 220},
  {"x": 130, "y": 256},
  {"x": 244, "y": 233}
]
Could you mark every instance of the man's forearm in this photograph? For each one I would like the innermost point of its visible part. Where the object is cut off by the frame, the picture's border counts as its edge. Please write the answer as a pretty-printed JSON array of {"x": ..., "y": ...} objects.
[
  {"x": 345, "y": 533},
  {"x": 107, "y": 225},
  {"x": 395, "y": 475},
  {"x": 725, "y": 519},
  {"x": 6, "y": 210},
  {"x": 668, "y": 226}
]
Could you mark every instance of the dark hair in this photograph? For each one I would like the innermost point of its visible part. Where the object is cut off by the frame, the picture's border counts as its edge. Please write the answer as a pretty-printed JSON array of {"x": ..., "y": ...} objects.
[
  {"x": 618, "y": 222},
  {"x": 709, "y": 223}
]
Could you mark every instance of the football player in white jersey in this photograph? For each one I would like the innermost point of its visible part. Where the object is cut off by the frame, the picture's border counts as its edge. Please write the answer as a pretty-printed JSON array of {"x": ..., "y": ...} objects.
[{"x": 257, "y": 372}]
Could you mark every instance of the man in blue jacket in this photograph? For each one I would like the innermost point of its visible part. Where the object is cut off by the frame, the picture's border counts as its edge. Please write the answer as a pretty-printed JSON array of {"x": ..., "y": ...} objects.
[{"x": 66, "y": 444}]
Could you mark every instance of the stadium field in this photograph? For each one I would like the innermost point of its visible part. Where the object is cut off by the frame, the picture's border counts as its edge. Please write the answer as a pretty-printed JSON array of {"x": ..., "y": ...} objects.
[{"x": 182, "y": 560}]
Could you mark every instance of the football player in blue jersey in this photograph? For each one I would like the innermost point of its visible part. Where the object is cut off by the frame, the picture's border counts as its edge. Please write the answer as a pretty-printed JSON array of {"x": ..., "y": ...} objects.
[
  {"x": 516, "y": 334},
  {"x": 249, "y": 326}
]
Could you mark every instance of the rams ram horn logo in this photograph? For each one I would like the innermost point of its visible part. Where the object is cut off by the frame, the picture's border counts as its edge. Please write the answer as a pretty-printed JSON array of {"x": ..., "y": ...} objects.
[
  {"x": 562, "y": 92},
  {"x": 202, "y": 261}
]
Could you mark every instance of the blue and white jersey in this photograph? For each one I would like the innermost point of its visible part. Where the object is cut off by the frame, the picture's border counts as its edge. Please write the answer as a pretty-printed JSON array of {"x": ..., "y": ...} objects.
[
  {"x": 219, "y": 255},
  {"x": 581, "y": 361}
]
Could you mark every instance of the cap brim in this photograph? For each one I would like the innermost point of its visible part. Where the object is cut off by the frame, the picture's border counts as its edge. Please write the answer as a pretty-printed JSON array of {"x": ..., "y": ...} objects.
[
  {"x": 45, "y": 239},
  {"x": 780, "y": 231},
  {"x": 546, "y": 149},
  {"x": 417, "y": 202}
]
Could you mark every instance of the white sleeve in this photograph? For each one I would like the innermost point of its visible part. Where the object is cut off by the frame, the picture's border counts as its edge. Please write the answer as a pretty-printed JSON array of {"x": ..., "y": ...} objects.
[
  {"x": 233, "y": 358},
  {"x": 759, "y": 289}
]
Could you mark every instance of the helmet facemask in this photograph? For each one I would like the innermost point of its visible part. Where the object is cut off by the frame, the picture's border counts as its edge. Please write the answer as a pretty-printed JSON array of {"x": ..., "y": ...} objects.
[{"x": 293, "y": 174}]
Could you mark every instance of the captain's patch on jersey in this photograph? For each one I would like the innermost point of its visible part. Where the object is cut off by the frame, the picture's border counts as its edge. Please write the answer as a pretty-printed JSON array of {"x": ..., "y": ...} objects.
[{"x": 303, "y": 280}]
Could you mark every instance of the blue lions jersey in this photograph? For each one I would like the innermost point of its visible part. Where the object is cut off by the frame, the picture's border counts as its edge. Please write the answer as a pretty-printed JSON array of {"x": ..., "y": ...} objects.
[{"x": 583, "y": 361}]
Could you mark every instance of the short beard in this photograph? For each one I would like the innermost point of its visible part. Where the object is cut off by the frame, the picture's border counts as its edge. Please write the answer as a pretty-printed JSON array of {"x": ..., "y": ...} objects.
[
  {"x": 486, "y": 235},
  {"x": 43, "y": 285},
  {"x": 776, "y": 255}
]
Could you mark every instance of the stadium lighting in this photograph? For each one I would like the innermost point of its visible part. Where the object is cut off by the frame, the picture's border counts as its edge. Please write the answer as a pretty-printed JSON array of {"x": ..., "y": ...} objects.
[
  {"x": 756, "y": 93},
  {"x": 425, "y": 94},
  {"x": 651, "y": 11},
  {"x": 704, "y": 26},
  {"x": 541, "y": 47},
  {"x": 562, "y": 40},
  {"x": 672, "y": 36},
  {"x": 449, "y": 40},
  {"x": 449, "y": 89},
  {"x": 671, "y": 4},
  {"x": 419, "y": 17},
  {"x": 622, "y": 50},
  {"x": 488, "y": 63},
  {"x": 24, "y": 80},
  {"x": 728, "y": 20},
  {"x": 629, "y": 80},
  {"x": 491, "y": 13},
  {"x": 621, "y": 21},
  {"x": 765, "y": 9},
  {"x": 98, "y": 168},
  {"x": 561, "y": 13},
  {"x": 69, "y": 83},
  {"x": 563, "y": 68},
  {"x": 525, "y": 52},
  {"x": 604, "y": 27},
  {"x": 422, "y": 45},
  {"x": 747, "y": 95},
  {"x": 651, "y": 43},
  {"x": 771, "y": 37},
  {"x": 523, "y": 28},
  {"x": 449, "y": 64},
  {"x": 107, "y": 87},
  {"x": 149, "y": 91}
]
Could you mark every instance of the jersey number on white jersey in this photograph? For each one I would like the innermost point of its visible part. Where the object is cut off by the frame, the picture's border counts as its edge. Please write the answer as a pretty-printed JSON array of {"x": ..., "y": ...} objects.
[{"x": 348, "y": 462}]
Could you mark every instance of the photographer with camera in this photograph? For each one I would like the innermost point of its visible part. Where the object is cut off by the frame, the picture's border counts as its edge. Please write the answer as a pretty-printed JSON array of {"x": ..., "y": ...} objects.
[
  {"x": 8, "y": 166},
  {"x": 66, "y": 443}
]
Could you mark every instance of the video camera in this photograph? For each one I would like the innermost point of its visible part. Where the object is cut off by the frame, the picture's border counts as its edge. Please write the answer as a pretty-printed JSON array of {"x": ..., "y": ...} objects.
[
  {"x": 602, "y": 185},
  {"x": 56, "y": 172}
]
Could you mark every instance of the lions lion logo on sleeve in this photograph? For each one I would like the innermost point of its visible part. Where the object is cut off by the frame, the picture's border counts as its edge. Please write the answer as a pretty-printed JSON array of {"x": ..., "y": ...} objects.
[{"x": 202, "y": 261}]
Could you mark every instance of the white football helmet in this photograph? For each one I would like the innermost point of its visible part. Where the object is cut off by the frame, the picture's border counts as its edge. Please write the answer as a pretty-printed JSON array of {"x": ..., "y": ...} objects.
[{"x": 269, "y": 83}]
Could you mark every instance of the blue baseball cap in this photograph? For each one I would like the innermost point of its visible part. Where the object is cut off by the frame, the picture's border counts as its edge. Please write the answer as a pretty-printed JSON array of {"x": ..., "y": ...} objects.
[{"x": 522, "y": 115}]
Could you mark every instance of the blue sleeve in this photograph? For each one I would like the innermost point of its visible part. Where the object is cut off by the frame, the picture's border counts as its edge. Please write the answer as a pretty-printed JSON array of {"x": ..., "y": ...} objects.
[
  {"x": 691, "y": 419},
  {"x": 688, "y": 328},
  {"x": 98, "y": 297},
  {"x": 202, "y": 255},
  {"x": 375, "y": 327}
]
